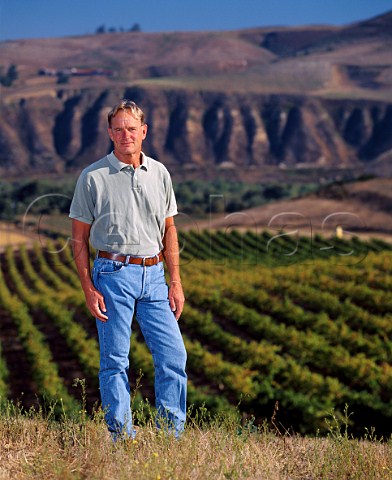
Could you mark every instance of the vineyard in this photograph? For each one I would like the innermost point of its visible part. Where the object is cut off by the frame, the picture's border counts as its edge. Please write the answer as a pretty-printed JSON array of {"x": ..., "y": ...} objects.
[{"x": 273, "y": 325}]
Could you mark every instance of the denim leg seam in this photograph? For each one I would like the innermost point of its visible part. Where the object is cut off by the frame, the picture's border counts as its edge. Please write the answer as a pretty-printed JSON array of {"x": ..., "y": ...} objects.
[
  {"x": 104, "y": 363},
  {"x": 105, "y": 358}
]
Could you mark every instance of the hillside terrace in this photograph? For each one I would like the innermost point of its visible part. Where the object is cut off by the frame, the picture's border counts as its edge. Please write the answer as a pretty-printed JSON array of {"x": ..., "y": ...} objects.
[{"x": 76, "y": 72}]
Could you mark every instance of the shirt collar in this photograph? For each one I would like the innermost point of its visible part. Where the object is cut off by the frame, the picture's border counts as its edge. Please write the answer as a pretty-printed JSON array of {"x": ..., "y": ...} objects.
[{"x": 118, "y": 165}]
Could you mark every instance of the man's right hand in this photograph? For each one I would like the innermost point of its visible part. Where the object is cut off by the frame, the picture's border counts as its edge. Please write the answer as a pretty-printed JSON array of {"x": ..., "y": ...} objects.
[
  {"x": 81, "y": 252},
  {"x": 96, "y": 304}
]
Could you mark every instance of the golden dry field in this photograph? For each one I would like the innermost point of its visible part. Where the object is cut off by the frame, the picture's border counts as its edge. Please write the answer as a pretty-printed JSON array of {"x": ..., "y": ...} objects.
[
  {"x": 32, "y": 447},
  {"x": 10, "y": 235}
]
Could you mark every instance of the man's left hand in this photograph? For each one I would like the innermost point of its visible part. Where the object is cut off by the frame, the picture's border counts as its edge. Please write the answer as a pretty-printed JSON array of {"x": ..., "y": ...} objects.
[{"x": 176, "y": 298}]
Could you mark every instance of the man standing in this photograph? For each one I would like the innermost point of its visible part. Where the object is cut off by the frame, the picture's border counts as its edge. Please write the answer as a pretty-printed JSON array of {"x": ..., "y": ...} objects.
[{"x": 124, "y": 205}]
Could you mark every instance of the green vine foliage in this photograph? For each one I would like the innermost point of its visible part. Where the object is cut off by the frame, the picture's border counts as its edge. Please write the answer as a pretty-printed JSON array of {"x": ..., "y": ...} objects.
[{"x": 311, "y": 334}]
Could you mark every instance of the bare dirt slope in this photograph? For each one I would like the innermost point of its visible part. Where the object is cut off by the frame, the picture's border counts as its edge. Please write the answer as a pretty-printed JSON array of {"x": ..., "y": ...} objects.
[
  {"x": 360, "y": 208},
  {"x": 353, "y": 60}
]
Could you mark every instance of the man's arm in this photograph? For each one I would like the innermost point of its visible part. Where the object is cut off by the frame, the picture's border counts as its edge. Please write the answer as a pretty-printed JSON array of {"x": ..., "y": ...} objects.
[
  {"x": 172, "y": 259},
  {"x": 81, "y": 252}
]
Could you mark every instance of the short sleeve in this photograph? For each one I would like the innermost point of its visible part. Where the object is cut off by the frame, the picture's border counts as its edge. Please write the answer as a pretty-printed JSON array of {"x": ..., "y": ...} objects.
[
  {"x": 171, "y": 204},
  {"x": 82, "y": 205}
]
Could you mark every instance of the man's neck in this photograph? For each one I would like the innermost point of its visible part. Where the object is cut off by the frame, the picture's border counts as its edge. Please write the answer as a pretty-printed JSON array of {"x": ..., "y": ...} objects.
[{"x": 135, "y": 159}]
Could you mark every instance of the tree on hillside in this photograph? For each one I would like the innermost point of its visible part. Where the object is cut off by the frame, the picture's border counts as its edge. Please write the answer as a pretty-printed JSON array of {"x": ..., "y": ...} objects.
[
  {"x": 135, "y": 28},
  {"x": 11, "y": 75},
  {"x": 62, "y": 78},
  {"x": 101, "y": 29}
]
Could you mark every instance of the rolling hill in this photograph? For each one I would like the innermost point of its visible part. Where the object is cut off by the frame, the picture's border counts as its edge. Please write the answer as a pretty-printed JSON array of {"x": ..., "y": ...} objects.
[
  {"x": 266, "y": 100},
  {"x": 361, "y": 208}
]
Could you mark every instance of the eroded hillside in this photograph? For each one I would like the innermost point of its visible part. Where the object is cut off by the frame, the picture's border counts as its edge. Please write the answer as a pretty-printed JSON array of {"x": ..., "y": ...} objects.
[
  {"x": 67, "y": 130},
  {"x": 260, "y": 100}
]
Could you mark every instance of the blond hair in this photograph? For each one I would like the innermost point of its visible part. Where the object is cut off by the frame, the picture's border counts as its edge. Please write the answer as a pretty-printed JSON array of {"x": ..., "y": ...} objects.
[{"x": 129, "y": 106}]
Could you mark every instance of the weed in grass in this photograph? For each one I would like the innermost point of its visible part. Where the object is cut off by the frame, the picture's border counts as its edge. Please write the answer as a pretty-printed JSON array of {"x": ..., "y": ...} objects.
[{"x": 36, "y": 444}]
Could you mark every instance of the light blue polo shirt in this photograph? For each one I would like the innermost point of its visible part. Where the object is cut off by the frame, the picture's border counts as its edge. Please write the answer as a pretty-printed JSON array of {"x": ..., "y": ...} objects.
[{"x": 126, "y": 207}]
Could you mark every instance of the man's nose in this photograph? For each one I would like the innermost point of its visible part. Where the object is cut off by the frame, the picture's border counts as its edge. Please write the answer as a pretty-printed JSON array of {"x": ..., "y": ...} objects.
[{"x": 125, "y": 134}]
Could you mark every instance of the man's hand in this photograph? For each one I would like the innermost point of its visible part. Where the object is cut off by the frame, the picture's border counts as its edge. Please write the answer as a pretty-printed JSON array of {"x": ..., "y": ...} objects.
[
  {"x": 176, "y": 299},
  {"x": 171, "y": 252},
  {"x": 81, "y": 250},
  {"x": 96, "y": 303}
]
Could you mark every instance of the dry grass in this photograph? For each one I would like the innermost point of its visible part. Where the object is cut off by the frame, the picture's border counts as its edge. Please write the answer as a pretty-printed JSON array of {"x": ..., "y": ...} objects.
[
  {"x": 32, "y": 446},
  {"x": 12, "y": 236}
]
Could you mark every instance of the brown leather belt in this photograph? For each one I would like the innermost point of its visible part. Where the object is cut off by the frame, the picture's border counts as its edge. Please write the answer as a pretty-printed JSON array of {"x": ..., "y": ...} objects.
[{"x": 143, "y": 261}]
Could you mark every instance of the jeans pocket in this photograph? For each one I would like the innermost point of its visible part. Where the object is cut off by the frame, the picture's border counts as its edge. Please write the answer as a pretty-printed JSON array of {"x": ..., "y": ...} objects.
[{"x": 108, "y": 267}]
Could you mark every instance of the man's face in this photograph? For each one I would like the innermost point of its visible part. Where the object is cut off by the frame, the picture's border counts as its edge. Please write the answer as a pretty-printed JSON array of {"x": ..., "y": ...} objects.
[{"x": 127, "y": 134}]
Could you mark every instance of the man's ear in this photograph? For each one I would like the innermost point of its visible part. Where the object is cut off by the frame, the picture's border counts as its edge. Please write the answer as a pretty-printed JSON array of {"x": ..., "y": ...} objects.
[
  {"x": 110, "y": 133},
  {"x": 145, "y": 128}
]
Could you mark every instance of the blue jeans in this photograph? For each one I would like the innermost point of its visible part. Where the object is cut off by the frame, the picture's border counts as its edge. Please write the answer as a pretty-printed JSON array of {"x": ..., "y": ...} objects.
[{"x": 133, "y": 289}]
